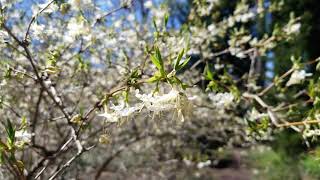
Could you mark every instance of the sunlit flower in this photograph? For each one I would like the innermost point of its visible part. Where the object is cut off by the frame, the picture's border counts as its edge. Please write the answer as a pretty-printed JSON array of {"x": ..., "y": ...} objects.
[
  {"x": 298, "y": 77},
  {"x": 293, "y": 28}
]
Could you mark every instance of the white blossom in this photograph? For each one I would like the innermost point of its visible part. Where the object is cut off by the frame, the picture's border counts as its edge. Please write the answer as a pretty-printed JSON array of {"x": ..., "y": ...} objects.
[
  {"x": 158, "y": 103},
  {"x": 123, "y": 109},
  {"x": 293, "y": 28},
  {"x": 237, "y": 52},
  {"x": 174, "y": 100},
  {"x": 22, "y": 137},
  {"x": 201, "y": 165},
  {"x": 75, "y": 28},
  {"x": 110, "y": 117},
  {"x": 310, "y": 133},
  {"x": 120, "y": 111},
  {"x": 298, "y": 77}
]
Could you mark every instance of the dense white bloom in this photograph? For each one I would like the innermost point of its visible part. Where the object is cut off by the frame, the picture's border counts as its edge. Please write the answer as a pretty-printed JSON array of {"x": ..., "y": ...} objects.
[
  {"x": 298, "y": 77},
  {"x": 158, "y": 103},
  {"x": 76, "y": 27},
  {"x": 37, "y": 29},
  {"x": 221, "y": 99},
  {"x": 174, "y": 100}
]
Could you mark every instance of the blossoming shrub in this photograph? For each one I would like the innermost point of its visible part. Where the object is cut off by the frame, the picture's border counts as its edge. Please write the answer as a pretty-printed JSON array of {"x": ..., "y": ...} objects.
[{"x": 83, "y": 84}]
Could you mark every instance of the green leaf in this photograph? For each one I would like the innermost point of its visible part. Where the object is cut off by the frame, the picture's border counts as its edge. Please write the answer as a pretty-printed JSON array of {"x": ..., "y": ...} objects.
[
  {"x": 178, "y": 59},
  {"x": 10, "y": 133},
  {"x": 158, "y": 55},
  {"x": 153, "y": 79},
  {"x": 209, "y": 74},
  {"x": 155, "y": 61},
  {"x": 24, "y": 122},
  {"x": 166, "y": 18},
  {"x": 158, "y": 62},
  {"x": 155, "y": 24},
  {"x": 184, "y": 63}
]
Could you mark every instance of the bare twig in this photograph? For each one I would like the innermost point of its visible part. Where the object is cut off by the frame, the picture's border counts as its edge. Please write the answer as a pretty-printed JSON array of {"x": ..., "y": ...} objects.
[
  {"x": 289, "y": 124},
  {"x": 69, "y": 162},
  {"x": 100, "y": 18},
  {"x": 34, "y": 18}
]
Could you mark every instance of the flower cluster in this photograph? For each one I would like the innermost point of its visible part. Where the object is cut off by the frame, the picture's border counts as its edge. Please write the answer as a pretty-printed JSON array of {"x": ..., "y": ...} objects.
[{"x": 174, "y": 100}]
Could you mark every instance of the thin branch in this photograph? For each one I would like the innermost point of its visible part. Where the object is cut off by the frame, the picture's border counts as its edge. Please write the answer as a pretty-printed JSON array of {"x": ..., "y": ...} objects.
[
  {"x": 100, "y": 18},
  {"x": 34, "y": 18},
  {"x": 69, "y": 162},
  {"x": 36, "y": 115},
  {"x": 299, "y": 123},
  {"x": 264, "y": 91},
  {"x": 270, "y": 112}
]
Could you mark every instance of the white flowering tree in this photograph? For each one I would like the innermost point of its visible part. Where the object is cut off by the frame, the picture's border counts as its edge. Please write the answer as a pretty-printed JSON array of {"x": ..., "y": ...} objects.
[{"x": 85, "y": 81}]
